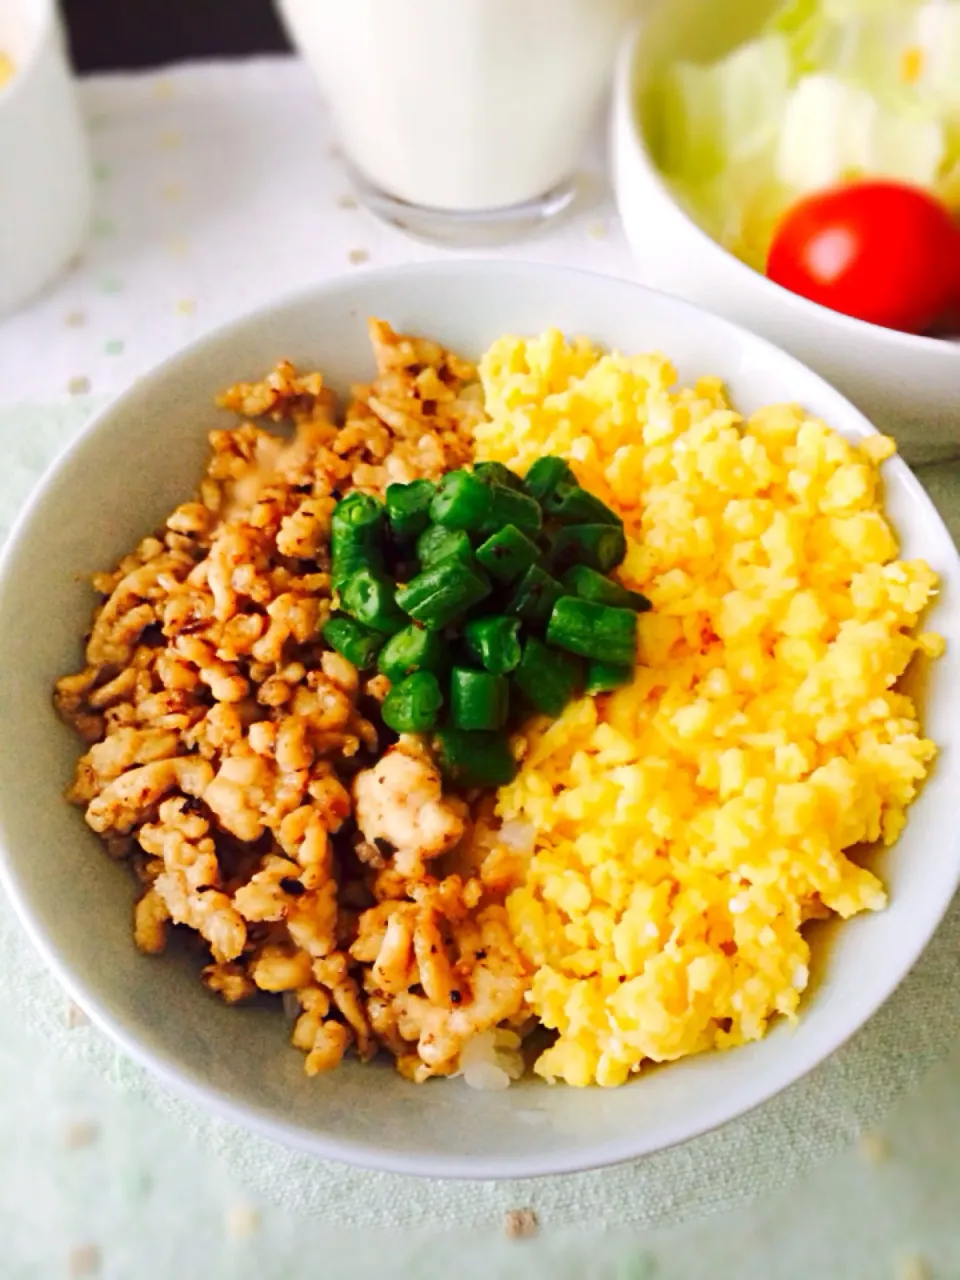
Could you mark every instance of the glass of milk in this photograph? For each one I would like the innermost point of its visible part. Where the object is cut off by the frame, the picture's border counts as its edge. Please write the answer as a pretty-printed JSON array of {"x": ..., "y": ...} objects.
[{"x": 463, "y": 121}]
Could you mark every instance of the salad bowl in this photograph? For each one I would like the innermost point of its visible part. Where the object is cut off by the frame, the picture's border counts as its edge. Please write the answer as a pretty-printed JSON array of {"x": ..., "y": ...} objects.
[{"x": 908, "y": 386}]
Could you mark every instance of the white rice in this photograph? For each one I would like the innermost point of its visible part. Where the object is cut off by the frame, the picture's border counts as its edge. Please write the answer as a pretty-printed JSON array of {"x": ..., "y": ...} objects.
[
  {"x": 517, "y": 835},
  {"x": 492, "y": 1059}
]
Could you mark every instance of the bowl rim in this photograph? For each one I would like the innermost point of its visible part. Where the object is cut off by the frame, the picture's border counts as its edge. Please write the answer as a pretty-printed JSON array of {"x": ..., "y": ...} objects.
[
  {"x": 184, "y": 1083},
  {"x": 627, "y": 124}
]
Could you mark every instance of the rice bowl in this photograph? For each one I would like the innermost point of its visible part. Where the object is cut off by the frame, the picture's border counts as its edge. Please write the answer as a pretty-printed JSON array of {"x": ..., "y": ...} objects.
[{"x": 488, "y": 1142}]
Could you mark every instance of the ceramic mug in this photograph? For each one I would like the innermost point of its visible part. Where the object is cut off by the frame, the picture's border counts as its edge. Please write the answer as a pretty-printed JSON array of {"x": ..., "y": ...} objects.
[{"x": 45, "y": 186}]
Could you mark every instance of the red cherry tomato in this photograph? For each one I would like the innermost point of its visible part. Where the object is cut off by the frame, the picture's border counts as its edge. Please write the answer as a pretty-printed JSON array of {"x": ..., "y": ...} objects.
[{"x": 879, "y": 251}]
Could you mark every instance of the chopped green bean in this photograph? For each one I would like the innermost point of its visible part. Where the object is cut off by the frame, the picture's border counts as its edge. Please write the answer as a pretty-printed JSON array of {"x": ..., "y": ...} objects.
[
  {"x": 586, "y": 583},
  {"x": 412, "y": 649},
  {"x": 412, "y": 706},
  {"x": 350, "y": 560},
  {"x": 497, "y": 473},
  {"x": 508, "y": 506},
  {"x": 424, "y": 534},
  {"x": 604, "y": 677},
  {"x": 599, "y": 546},
  {"x": 544, "y": 476},
  {"x": 507, "y": 554},
  {"x": 570, "y": 504},
  {"x": 546, "y": 678},
  {"x": 442, "y": 593},
  {"x": 356, "y": 533},
  {"x": 357, "y": 643},
  {"x": 437, "y": 544},
  {"x": 475, "y": 759},
  {"x": 478, "y": 700},
  {"x": 370, "y": 597},
  {"x": 593, "y": 630},
  {"x": 534, "y": 595},
  {"x": 461, "y": 502},
  {"x": 358, "y": 513},
  {"x": 408, "y": 507},
  {"x": 494, "y": 641}
]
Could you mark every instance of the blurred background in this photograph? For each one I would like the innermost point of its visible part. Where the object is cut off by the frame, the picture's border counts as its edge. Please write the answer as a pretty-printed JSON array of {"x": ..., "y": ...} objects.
[{"x": 112, "y": 34}]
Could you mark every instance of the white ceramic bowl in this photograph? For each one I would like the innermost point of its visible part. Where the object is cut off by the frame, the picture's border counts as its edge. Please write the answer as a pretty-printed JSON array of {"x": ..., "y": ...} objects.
[
  {"x": 45, "y": 185},
  {"x": 133, "y": 465},
  {"x": 908, "y": 386}
]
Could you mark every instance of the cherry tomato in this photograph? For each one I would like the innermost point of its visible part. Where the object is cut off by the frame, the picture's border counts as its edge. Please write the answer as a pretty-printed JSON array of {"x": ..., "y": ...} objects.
[{"x": 879, "y": 251}]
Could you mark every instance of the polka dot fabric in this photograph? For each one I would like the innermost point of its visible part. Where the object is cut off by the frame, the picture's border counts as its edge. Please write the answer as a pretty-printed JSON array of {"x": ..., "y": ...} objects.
[{"x": 217, "y": 189}]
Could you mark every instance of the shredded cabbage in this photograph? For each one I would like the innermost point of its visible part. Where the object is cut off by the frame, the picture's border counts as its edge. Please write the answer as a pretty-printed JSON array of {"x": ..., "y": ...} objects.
[
  {"x": 727, "y": 112},
  {"x": 829, "y": 90},
  {"x": 833, "y": 131}
]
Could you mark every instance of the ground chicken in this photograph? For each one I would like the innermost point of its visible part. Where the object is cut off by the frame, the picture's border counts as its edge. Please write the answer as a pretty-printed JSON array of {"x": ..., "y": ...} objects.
[
  {"x": 220, "y": 731},
  {"x": 400, "y": 801}
]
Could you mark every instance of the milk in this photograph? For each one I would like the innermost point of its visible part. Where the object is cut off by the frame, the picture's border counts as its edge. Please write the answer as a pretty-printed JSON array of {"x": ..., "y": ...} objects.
[{"x": 462, "y": 105}]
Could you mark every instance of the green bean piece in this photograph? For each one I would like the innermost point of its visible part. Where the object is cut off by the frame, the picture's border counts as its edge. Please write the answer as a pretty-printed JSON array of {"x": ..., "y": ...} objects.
[
  {"x": 604, "y": 677},
  {"x": 370, "y": 597},
  {"x": 351, "y": 560},
  {"x": 475, "y": 759},
  {"x": 599, "y": 546},
  {"x": 408, "y": 508},
  {"x": 478, "y": 700},
  {"x": 412, "y": 706},
  {"x": 509, "y": 506},
  {"x": 355, "y": 642},
  {"x": 441, "y": 594},
  {"x": 356, "y": 536},
  {"x": 570, "y": 504},
  {"x": 547, "y": 678},
  {"x": 497, "y": 473},
  {"x": 412, "y": 649},
  {"x": 534, "y": 595},
  {"x": 437, "y": 544},
  {"x": 586, "y": 583},
  {"x": 495, "y": 642},
  {"x": 544, "y": 476},
  {"x": 593, "y": 630},
  {"x": 462, "y": 502},
  {"x": 507, "y": 554}
]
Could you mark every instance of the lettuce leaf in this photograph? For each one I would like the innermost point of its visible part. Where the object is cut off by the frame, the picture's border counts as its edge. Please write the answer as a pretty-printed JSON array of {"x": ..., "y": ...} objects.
[
  {"x": 833, "y": 131},
  {"x": 829, "y": 91},
  {"x": 726, "y": 113}
]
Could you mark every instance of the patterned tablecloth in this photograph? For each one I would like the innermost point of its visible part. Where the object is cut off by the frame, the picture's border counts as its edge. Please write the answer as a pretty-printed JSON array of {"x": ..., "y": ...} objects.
[{"x": 219, "y": 187}]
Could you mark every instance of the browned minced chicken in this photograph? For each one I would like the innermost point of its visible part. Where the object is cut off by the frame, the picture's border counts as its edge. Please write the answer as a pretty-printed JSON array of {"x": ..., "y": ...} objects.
[{"x": 233, "y": 761}]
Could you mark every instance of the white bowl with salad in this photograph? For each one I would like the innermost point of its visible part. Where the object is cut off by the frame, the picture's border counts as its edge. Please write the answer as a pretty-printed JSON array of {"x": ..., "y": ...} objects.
[{"x": 795, "y": 166}]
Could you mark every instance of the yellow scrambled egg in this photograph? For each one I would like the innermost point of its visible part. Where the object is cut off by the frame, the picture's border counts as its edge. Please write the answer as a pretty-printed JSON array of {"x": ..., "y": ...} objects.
[
  {"x": 6, "y": 68},
  {"x": 689, "y": 824}
]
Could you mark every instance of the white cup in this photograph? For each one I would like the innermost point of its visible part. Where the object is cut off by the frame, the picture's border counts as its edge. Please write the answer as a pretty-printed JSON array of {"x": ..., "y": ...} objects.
[
  {"x": 463, "y": 121},
  {"x": 45, "y": 187}
]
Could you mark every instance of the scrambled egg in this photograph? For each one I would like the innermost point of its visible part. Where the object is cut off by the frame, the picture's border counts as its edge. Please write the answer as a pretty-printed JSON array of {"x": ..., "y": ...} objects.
[{"x": 689, "y": 824}]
